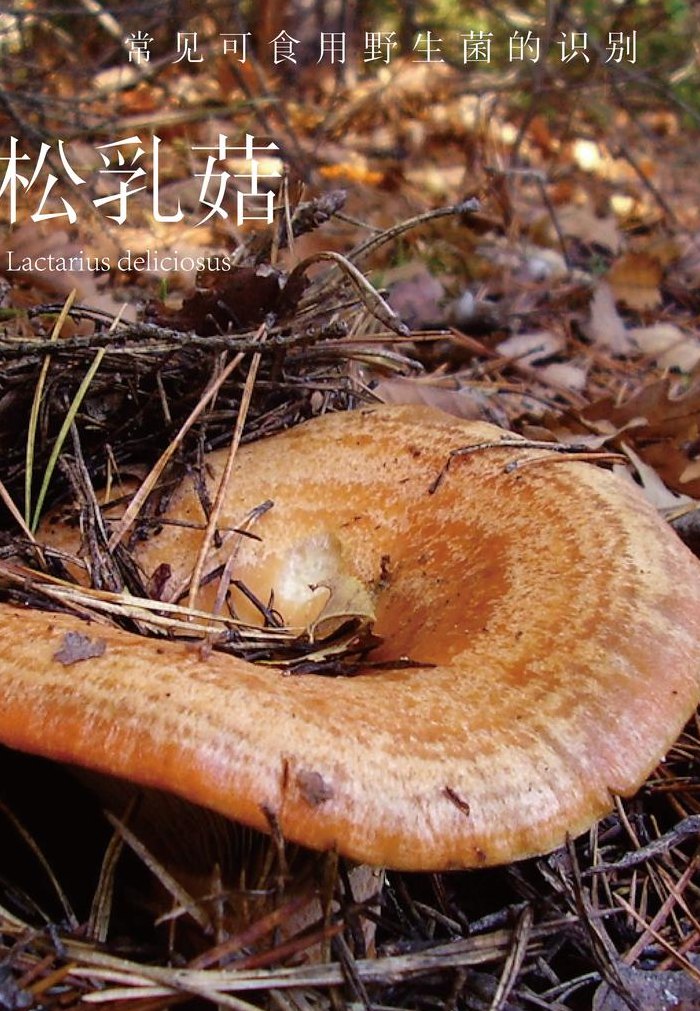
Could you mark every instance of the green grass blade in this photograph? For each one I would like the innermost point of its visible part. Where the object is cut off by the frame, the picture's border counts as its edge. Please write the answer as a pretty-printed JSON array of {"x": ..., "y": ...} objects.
[
  {"x": 61, "y": 438},
  {"x": 36, "y": 405}
]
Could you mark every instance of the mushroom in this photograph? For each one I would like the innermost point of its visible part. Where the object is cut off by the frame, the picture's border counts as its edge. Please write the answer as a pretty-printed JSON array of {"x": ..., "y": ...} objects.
[{"x": 551, "y": 621}]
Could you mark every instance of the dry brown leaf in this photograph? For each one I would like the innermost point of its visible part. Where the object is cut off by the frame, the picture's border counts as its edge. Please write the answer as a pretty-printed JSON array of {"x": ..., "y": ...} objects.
[
  {"x": 77, "y": 647},
  {"x": 565, "y": 374},
  {"x": 668, "y": 345},
  {"x": 655, "y": 491},
  {"x": 347, "y": 172},
  {"x": 29, "y": 243},
  {"x": 667, "y": 409},
  {"x": 661, "y": 423},
  {"x": 583, "y": 224},
  {"x": 663, "y": 427},
  {"x": 691, "y": 472},
  {"x": 605, "y": 326},
  {"x": 530, "y": 348},
  {"x": 634, "y": 280},
  {"x": 234, "y": 301},
  {"x": 665, "y": 249},
  {"x": 417, "y": 298},
  {"x": 527, "y": 261},
  {"x": 687, "y": 270},
  {"x": 670, "y": 458},
  {"x": 594, "y": 437},
  {"x": 462, "y": 400},
  {"x": 651, "y": 991}
]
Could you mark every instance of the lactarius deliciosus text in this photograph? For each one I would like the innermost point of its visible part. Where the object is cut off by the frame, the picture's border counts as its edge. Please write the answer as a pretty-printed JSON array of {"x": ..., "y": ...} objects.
[{"x": 551, "y": 621}]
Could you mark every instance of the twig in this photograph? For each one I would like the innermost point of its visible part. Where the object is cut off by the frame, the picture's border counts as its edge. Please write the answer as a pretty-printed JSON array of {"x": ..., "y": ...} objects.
[
  {"x": 139, "y": 333},
  {"x": 152, "y": 478},
  {"x": 571, "y": 450},
  {"x": 602, "y": 950},
  {"x": 691, "y": 969},
  {"x": 387, "y": 970},
  {"x": 173, "y": 887},
  {"x": 516, "y": 956},
  {"x": 33, "y": 846},
  {"x": 17, "y": 516},
  {"x": 470, "y": 206},
  {"x": 226, "y": 475},
  {"x": 371, "y": 298},
  {"x": 685, "y": 829}
]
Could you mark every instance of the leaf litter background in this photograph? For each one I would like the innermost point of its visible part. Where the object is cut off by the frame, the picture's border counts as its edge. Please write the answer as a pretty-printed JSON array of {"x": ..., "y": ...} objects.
[{"x": 536, "y": 227}]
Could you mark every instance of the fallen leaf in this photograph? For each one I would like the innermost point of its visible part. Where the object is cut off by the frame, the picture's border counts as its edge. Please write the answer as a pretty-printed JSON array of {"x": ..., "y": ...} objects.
[
  {"x": 527, "y": 261},
  {"x": 530, "y": 348},
  {"x": 417, "y": 299},
  {"x": 655, "y": 491},
  {"x": 662, "y": 424},
  {"x": 583, "y": 224},
  {"x": 313, "y": 787},
  {"x": 666, "y": 408},
  {"x": 93, "y": 289},
  {"x": 687, "y": 269},
  {"x": 352, "y": 173},
  {"x": 475, "y": 403},
  {"x": 231, "y": 303},
  {"x": 668, "y": 345},
  {"x": 634, "y": 280},
  {"x": 565, "y": 374},
  {"x": 651, "y": 990},
  {"x": 691, "y": 472},
  {"x": 605, "y": 326},
  {"x": 665, "y": 249},
  {"x": 77, "y": 647}
]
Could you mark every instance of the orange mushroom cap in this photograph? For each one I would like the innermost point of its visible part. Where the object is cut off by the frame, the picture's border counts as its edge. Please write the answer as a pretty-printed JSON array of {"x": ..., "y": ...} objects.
[{"x": 556, "y": 617}]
